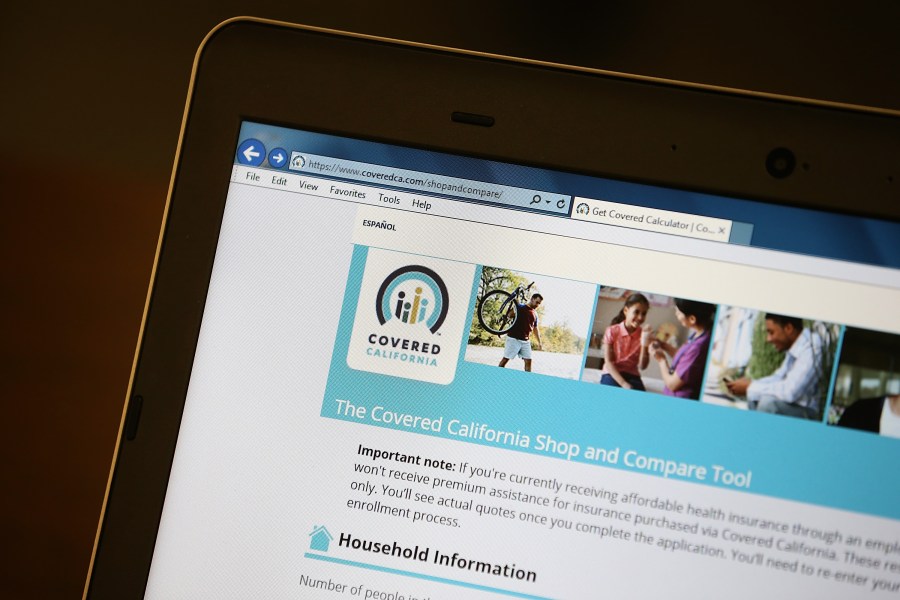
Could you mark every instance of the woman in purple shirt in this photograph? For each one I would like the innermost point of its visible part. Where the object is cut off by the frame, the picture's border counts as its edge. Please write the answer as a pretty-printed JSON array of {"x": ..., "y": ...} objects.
[{"x": 684, "y": 376}]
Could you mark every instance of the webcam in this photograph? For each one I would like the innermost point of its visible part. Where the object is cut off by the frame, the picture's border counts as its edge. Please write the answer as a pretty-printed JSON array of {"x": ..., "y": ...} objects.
[{"x": 780, "y": 163}]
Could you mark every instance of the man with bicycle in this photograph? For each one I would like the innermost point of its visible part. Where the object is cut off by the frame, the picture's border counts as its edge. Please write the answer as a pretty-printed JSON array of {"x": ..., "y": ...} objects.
[{"x": 518, "y": 339}]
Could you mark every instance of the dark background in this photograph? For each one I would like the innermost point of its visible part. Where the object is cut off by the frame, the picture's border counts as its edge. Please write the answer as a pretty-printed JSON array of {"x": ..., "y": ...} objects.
[{"x": 92, "y": 98}]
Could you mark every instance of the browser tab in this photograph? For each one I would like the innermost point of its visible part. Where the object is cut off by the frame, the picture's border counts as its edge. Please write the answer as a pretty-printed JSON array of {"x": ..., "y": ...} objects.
[{"x": 652, "y": 219}]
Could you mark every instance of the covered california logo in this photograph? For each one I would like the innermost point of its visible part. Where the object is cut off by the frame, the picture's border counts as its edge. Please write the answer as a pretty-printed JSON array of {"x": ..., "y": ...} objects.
[
  {"x": 414, "y": 330},
  {"x": 414, "y": 295}
]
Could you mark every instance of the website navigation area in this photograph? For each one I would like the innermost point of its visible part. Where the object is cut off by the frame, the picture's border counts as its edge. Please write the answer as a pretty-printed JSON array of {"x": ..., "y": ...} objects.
[{"x": 413, "y": 381}]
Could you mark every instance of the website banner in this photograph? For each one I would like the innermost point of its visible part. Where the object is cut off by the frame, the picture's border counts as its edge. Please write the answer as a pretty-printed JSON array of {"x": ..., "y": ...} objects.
[{"x": 780, "y": 482}]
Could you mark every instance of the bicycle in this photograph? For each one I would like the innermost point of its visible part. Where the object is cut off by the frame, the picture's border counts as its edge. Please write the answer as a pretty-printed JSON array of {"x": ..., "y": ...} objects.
[{"x": 498, "y": 309}]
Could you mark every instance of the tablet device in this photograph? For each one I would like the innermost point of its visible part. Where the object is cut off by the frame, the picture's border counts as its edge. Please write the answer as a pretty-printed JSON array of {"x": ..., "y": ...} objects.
[{"x": 429, "y": 324}]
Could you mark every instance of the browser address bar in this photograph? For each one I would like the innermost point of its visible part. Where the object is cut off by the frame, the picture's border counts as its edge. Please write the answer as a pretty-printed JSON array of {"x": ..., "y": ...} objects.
[{"x": 493, "y": 193}]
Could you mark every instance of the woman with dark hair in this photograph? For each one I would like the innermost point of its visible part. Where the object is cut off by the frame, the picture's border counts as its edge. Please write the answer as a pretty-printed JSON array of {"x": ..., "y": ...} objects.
[{"x": 684, "y": 376}]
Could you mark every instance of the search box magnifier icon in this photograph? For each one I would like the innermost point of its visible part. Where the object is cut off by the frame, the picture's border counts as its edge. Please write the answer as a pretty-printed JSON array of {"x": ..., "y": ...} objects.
[{"x": 536, "y": 199}]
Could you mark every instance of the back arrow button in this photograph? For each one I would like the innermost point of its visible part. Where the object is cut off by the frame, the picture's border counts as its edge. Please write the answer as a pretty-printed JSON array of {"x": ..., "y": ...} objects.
[{"x": 251, "y": 152}]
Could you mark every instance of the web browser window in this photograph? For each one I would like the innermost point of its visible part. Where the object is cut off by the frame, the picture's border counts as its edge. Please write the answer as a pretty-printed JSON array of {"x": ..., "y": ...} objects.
[{"x": 427, "y": 376}]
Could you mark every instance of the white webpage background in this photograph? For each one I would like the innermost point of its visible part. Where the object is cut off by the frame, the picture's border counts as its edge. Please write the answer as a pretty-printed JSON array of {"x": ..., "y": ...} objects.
[
  {"x": 246, "y": 462},
  {"x": 574, "y": 228},
  {"x": 256, "y": 466}
]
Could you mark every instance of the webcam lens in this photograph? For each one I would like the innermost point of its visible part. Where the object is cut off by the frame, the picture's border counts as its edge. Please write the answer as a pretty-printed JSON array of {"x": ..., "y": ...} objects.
[{"x": 780, "y": 163}]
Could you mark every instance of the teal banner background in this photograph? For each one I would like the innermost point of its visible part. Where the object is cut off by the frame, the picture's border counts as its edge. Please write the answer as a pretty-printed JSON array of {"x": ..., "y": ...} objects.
[{"x": 790, "y": 458}]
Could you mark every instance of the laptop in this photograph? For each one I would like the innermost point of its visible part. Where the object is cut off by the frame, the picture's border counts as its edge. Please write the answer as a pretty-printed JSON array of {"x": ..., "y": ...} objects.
[{"x": 427, "y": 323}]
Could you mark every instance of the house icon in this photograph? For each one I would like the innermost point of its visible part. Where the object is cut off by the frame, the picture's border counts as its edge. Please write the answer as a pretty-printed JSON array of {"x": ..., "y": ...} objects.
[{"x": 319, "y": 539}]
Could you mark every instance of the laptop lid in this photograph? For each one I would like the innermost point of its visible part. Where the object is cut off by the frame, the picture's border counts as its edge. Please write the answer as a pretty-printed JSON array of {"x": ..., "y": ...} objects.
[{"x": 427, "y": 323}]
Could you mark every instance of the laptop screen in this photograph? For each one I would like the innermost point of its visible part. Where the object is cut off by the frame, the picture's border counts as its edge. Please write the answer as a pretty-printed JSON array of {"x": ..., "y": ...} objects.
[{"x": 431, "y": 376}]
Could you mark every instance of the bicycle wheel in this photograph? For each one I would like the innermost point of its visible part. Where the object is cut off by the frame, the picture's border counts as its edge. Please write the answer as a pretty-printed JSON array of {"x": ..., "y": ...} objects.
[{"x": 497, "y": 312}]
